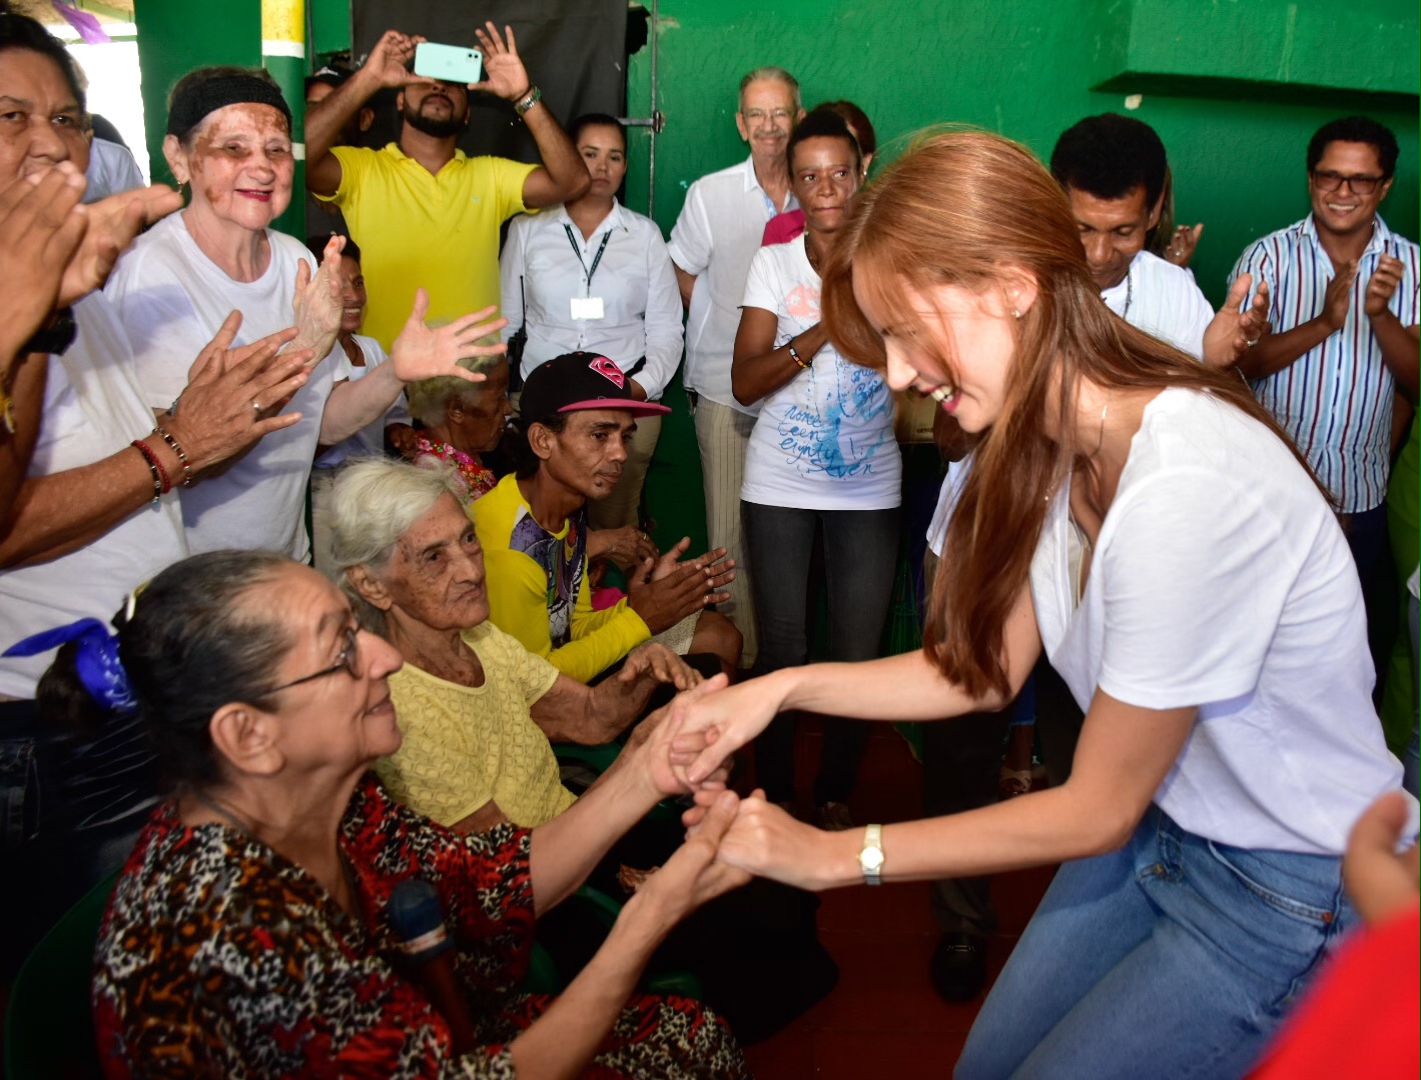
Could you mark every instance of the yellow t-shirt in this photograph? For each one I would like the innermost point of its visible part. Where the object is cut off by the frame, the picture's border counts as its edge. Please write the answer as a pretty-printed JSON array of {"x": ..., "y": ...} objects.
[
  {"x": 524, "y": 597},
  {"x": 415, "y": 228},
  {"x": 465, "y": 745}
]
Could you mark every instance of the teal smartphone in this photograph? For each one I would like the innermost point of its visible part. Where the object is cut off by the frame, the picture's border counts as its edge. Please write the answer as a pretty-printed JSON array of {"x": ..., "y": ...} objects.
[{"x": 451, "y": 63}]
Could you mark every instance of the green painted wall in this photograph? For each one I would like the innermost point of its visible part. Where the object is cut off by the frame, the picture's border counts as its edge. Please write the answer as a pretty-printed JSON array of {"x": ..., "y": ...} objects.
[
  {"x": 1021, "y": 67},
  {"x": 1025, "y": 68},
  {"x": 174, "y": 37},
  {"x": 1289, "y": 44},
  {"x": 330, "y": 26}
]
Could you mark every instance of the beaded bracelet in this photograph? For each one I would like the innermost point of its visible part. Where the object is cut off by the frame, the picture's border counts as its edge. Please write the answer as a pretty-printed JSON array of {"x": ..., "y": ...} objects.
[
  {"x": 160, "y": 478},
  {"x": 172, "y": 442},
  {"x": 162, "y": 472},
  {"x": 794, "y": 355}
]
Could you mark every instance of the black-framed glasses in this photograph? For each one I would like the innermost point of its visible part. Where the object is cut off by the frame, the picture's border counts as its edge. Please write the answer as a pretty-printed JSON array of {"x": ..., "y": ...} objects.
[
  {"x": 1326, "y": 180},
  {"x": 347, "y": 662}
]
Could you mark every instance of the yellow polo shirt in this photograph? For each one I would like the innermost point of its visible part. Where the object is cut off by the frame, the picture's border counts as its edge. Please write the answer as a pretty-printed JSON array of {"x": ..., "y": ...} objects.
[{"x": 416, "y": 229}]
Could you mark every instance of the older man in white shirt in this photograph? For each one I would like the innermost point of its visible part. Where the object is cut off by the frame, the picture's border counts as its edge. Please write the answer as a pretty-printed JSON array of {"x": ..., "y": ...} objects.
[{"x": 719, "y": 231}]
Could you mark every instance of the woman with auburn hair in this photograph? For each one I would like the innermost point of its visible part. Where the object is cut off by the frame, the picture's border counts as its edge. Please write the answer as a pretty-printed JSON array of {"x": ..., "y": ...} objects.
[{"x": 1142, "y": 518}]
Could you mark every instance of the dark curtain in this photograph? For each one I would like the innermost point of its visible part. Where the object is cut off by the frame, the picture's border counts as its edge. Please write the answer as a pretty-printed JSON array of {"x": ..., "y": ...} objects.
[{"x": 575, "y": 50}]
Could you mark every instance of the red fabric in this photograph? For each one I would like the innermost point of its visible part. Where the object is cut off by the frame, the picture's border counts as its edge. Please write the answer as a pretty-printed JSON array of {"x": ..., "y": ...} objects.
[
  {"x": 603, "y": 598},
  {"x": 782, "y": 228},
  {"x": 1361, "y": 1017}
]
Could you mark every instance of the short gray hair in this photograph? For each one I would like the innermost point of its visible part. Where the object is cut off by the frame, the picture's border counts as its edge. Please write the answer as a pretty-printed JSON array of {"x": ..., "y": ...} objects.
[
  {"x": 778, "y": 74},
  {"x": 428, "y": 398},
  {"x": 373, "y": 502}
]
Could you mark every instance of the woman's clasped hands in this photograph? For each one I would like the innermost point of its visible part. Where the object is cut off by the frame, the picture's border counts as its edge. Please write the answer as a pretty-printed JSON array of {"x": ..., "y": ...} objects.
[{"x": 701, "y": 730}]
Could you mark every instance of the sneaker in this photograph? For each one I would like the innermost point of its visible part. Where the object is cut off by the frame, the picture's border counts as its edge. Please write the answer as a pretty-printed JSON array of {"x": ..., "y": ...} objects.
[{"x": 833, "y": 817}]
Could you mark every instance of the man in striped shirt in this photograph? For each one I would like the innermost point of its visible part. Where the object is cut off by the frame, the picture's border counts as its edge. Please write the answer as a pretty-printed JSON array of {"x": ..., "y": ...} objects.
[{"x": 1339, "y": 371}]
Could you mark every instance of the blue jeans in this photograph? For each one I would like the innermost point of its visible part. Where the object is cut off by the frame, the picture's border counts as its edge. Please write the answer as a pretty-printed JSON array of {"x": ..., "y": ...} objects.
[
  {"x": 1172, "y": 957},
  {"x": 860, "y": 556}
]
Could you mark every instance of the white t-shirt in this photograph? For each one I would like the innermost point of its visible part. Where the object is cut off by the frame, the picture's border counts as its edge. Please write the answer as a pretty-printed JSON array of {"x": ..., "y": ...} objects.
[
  {"x": 112, "y": 170},
  {"x": 371, "y": 438},
  {"x": 1221, "y": 579},
  {"x": 716, "y": 235},
  {"x": 173, "y": 299},
  {"x": 824, "y": 440},
  {"x": 947, "y": 497},
  {"x": 93, "y": 408},
  {"x": 1164, "y": 301},
  {"x": 634, "y": 279}
]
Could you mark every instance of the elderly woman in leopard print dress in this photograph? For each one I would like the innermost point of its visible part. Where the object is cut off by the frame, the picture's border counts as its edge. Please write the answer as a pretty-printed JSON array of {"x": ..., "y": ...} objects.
[{"x": 249, "y": 933}]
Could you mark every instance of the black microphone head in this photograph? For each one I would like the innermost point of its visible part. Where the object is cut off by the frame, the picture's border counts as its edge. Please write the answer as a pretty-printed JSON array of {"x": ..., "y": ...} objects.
[{"x": 417, "y": 918}]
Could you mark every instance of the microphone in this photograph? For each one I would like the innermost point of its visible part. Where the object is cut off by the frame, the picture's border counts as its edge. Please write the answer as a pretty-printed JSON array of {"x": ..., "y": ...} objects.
[{"x": 417, "y": 919}]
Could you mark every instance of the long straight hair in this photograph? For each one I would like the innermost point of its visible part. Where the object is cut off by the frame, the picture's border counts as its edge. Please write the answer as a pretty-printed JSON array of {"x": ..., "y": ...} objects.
[{"x": 974, "y": 210}]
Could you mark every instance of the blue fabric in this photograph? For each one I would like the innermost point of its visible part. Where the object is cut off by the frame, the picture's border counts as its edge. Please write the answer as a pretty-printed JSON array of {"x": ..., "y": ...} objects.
[
  {"x": 1172, "y": 957},
  {"x": 97, "y": 661}
]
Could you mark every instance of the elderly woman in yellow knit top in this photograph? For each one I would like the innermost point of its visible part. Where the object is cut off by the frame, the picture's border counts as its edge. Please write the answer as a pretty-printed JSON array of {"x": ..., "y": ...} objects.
[{"x": 477, "y": 709}]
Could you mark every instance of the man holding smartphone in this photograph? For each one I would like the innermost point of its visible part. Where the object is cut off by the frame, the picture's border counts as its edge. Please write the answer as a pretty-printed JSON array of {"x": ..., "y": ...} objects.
[{"x": 422, "y": 211}]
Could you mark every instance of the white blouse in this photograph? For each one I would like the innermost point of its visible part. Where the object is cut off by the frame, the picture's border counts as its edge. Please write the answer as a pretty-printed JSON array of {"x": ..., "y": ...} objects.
[{"x": 633, "y": 278}]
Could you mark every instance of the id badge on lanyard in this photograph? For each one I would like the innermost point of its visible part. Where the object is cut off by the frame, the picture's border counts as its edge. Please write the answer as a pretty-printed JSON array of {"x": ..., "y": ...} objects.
[{"x": 589, "y": 306}]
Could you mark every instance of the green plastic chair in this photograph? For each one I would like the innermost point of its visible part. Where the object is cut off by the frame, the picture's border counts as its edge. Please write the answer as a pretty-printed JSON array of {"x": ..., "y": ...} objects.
[
  {"x": 543, "y": 977},
  {"x": 593, "y": 761},
  {"x": 49, "y": 1028}
]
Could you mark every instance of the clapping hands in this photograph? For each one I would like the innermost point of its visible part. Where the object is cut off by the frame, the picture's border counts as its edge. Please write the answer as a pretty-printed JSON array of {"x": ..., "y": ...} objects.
[
  {"x": 1236, "y": 329},
  {"x": 424, "y": 352},
  {"x": 664, "y": 590},
  {"x": 317, "y": 304}
]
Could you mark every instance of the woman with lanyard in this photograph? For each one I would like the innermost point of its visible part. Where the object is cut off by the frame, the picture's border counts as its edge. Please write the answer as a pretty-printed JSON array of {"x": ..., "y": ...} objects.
[
  {"x": 593, "y": 276},
  {"x": 822, "y": 457}
]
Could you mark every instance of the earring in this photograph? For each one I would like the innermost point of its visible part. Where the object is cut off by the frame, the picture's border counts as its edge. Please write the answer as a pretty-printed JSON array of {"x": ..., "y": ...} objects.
[{"x": 1015, "y": 314}]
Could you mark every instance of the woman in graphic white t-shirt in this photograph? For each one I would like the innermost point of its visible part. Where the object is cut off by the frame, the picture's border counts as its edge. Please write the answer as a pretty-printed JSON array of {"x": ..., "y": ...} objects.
[
  {"x": 821, "y": 456},
  {"x": 1141, "y": 518}
]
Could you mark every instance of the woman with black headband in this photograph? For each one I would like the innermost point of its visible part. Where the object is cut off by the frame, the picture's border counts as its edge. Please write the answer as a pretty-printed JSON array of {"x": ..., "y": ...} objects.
[
  {"x": 270, "y": 920},
  {"x": 96, "y": 506},
  {"x": 229, "y": 138}
]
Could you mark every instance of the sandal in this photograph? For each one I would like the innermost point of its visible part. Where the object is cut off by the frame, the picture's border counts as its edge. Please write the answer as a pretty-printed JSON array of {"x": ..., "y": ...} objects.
[
  {"x": 1013, "y": 782},
  {"x": 632, "y": 878}
]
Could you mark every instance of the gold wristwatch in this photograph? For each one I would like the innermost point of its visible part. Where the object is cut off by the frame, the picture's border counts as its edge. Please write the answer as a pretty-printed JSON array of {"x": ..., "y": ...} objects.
[{"x": 871, "y": 857}]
